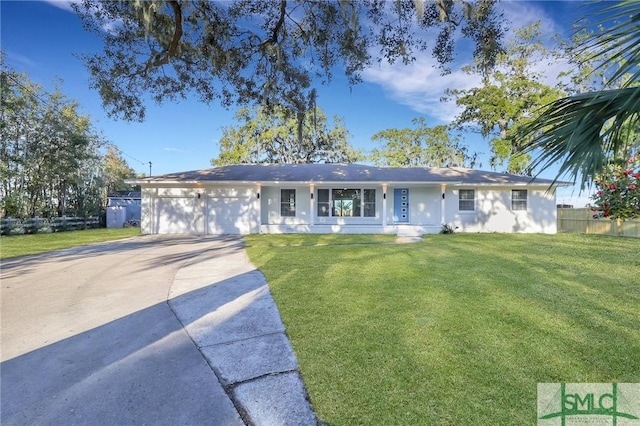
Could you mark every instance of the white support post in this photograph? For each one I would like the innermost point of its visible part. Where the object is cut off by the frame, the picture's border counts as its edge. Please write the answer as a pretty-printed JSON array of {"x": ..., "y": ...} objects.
[
  {"x": 443, "y": 188},
  {"x": 312, "y": 210},
  {"x": 384, "y": 205}
]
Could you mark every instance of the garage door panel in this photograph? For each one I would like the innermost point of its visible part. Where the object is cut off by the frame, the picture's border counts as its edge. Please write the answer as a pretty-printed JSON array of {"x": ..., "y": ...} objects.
[
  {"x": 230, "y": 215},
  {"x": 176, "y": 216}
]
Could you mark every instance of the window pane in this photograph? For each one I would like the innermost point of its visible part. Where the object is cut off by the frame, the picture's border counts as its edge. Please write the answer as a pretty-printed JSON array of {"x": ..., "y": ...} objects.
[
  {"x": 466, "y": 199},
  {"x": 346, "y": 202},
  {"x": 467, "y": 194},
  {"x": 287, "y": 202},
  {"x": 369, "y": 205},
  {"x": 323, "y": 195},
  {"x": 519, "y": 199},
  {"x": 369, "y": 195},
  {"x": 369, "y": 209},
  {"x": 323, "y": 202},
  {"x": 323, "y": 209}
]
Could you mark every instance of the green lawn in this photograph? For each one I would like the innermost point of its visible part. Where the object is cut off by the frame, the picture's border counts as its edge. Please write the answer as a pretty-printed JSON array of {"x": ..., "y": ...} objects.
[
  {"x": 458, "y": 329},
  {"x": 21, "y": 245}
]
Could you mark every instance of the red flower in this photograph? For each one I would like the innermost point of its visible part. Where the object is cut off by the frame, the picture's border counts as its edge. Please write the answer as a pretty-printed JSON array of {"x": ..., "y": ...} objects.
[
  {"x": 607, "y": 213},
  {"x": 637, "y": 175},
  {"x": 628, "y": 172},
  {"x": 599, "y": 193},
  {"x": 632, "y": 187},
  {"x": 613, "y": 186}
]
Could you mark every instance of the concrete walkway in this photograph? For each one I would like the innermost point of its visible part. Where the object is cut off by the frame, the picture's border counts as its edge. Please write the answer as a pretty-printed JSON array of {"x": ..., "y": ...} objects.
[
  {"x": 226, "y": 307},
  {"x": 152, "y": 330}
]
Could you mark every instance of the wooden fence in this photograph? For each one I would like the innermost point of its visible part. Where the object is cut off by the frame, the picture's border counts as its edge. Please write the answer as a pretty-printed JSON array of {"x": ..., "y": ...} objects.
[
  {"x": 581, "y": 221},
  {"x": 12, "y": 226}
]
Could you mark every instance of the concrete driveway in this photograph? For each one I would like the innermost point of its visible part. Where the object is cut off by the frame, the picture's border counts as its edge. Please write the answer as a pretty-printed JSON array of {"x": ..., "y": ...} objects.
[{"x": 152, "y": 330}]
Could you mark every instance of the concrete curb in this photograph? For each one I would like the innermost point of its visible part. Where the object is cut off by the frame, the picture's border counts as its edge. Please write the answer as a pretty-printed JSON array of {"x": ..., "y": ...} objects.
[{"x": 225, "y": 306}]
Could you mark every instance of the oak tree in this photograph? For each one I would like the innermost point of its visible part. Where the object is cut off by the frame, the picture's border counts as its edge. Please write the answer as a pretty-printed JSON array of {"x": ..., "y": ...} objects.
[
  {"x": 421, "y": 146},
  {"x": 273, "y": 137},
  {"x": 509, "y": 94},
  {"x": 267, "y": 53}
]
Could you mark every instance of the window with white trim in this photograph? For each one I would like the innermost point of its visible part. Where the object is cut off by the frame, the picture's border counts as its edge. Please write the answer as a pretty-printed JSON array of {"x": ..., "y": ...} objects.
[
  {"x": 323, "y": 202},
  {"x": 287, "y": 202},
  {"x": 346, "y": 202},
  {"x": 519, "y": 199},
  {"x": 466, "y": 199},
  {"x": 369, "y": 203}
]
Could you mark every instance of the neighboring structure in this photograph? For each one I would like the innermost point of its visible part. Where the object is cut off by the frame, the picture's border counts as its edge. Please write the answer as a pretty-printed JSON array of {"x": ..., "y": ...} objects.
[
  {"x": 338, "y": 198},
  {"x": 123, "y": 207}
]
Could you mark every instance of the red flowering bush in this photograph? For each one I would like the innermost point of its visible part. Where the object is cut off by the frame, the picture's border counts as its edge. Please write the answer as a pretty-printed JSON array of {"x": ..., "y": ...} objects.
[{"x": 618, "y": 191}]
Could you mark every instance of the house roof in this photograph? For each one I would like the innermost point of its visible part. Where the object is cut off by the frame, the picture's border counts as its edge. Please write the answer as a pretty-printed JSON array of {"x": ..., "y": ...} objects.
[
  {"x": 124, "y": 194},
  {"x": 341, "y": 173}
]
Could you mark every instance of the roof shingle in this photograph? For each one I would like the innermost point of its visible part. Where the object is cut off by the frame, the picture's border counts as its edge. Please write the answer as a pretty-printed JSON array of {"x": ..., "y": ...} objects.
[{"x": 327, "y": 173}]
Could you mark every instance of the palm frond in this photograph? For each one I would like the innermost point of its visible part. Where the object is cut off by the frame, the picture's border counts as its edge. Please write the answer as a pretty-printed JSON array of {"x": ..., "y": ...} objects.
[
  {"x": 582, "y": 132},
  {"x": 618, "y": 44}
]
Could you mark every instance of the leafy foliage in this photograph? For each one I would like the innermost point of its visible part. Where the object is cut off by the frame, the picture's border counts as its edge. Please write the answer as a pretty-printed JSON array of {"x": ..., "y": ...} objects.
[
  {"x": 510, "y": 92},
  {"x": 274, "y": 137},
  {"x": 264, "y": 52},
  {"x": 51, "y": 162},
  {"x": 618, "y": 190},
  {"x": 587, "y": 131},
  {"x": 116, "y": 170},
  {"x": 422, "y": 146}
]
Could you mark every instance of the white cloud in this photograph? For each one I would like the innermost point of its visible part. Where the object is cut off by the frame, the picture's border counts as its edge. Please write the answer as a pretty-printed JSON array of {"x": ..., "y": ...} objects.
[
  {"x": 107, "y": 26},
  {"x": 166, "y": 148},
  {"x": 519, "y": 14},
  {"x": 420, "y": 86},
  {"x": 62, "y": 4},
  {"x": 20, "y": 60}
]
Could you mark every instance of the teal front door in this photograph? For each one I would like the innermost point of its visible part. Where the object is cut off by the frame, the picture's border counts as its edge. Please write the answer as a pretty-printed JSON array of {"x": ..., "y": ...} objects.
[{"x": 401, "y": 205}]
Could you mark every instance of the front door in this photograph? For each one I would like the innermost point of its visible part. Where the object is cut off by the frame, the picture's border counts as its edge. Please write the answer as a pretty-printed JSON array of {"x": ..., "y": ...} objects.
[{"x": 401, "y": 205}]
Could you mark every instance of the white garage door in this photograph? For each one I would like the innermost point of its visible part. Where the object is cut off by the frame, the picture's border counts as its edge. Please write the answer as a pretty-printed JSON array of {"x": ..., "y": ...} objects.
[
  {"x": 230, "y": 215},
  {"x": 177, "y": 215}
]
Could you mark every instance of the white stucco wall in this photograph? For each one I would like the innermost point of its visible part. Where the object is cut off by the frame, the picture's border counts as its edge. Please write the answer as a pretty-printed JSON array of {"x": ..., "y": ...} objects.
[
  {"x": 494, "y": 214},
  {"x": 270, "y": 206}
]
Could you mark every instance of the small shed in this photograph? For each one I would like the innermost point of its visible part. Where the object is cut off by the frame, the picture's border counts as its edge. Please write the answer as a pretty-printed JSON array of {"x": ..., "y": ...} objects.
[{"x": 123, "y": 207}]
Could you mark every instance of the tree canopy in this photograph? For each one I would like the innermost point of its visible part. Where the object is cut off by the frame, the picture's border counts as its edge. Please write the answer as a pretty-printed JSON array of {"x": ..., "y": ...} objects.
[
  {"x": 509, "y": 95},
  {"x": 275, "y": 137},
  {"x": 51, "y": 159},
  {"x": 421, "y": 146},
  {"x": 266, "y": 52}
]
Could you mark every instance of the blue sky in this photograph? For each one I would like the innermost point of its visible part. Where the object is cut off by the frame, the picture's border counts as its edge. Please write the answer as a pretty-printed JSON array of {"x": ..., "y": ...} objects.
[{"x": 43, "y": 39}]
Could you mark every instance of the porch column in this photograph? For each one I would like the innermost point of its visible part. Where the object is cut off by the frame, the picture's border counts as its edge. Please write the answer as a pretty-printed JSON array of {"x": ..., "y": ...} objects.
[
  {"x": 312, "y": 211},
  {"x": 384, "y": 204},
  {"x": 443, "y": 188}
]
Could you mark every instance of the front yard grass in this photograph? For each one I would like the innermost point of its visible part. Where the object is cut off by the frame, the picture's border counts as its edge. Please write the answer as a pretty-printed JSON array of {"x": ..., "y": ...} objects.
[
  {"x": 458, "y": 329},
  {"x": 22, "y": 245}
]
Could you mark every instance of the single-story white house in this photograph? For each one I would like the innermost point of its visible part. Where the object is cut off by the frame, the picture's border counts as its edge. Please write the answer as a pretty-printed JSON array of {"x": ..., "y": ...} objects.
[{"x": 344, "y": 198}]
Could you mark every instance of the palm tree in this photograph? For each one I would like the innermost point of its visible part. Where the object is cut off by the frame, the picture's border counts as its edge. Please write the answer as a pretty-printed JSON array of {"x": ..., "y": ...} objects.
[{"x": 588, "y": 130}]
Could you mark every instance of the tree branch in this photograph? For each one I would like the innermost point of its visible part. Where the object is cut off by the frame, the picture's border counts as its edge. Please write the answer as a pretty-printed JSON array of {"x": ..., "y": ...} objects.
[
  {"x": 175, "y": 41},
  {"x": 274, "y": 34}
]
